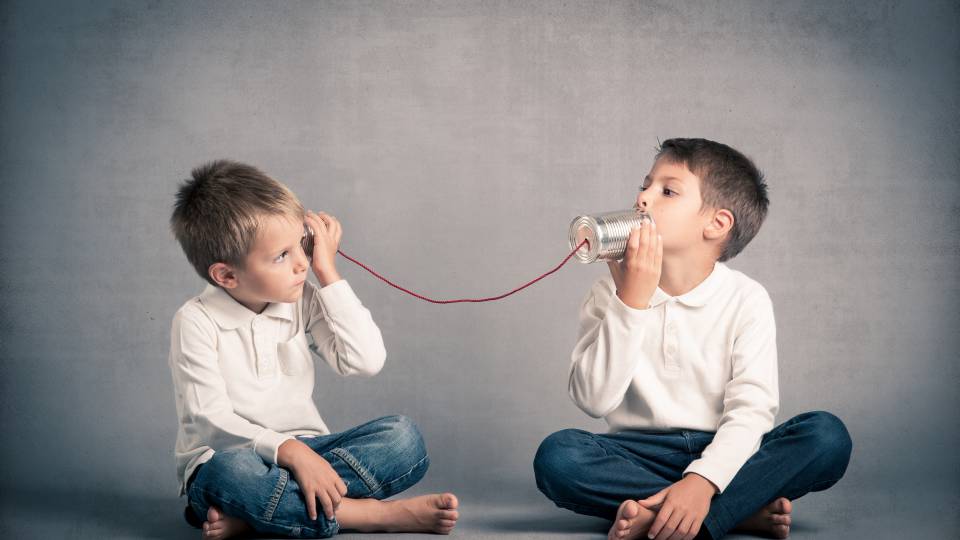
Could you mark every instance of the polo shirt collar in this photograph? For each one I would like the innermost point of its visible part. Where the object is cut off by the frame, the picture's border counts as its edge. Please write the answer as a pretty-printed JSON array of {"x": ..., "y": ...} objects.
[
  {"x": 231, "y": 314},
  {"x": 701, "y": 293}
]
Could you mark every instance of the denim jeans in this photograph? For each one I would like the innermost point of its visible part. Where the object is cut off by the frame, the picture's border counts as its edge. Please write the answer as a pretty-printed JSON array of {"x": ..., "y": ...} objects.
[
  {"x": 375, "y": 460},
  {"x": 593, "y": 474}
]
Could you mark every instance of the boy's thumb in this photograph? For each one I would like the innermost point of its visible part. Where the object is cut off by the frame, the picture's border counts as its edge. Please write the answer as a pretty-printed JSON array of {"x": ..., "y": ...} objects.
[{"x": 654, "y": 501}]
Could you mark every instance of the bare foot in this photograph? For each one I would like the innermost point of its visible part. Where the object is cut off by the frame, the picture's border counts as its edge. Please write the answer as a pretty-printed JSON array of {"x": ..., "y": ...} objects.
[
  {"x": 435, "y": 513},
  {"x": 773, "y": 520},
  {"x": 632, "y": 521},
  {"x": 219, "y": 526}
]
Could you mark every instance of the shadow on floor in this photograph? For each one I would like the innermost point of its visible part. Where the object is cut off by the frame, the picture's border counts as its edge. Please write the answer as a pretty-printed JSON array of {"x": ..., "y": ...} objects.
[
  {"x": 28, "y": 514},
  {"x": 546, "y": 523}
]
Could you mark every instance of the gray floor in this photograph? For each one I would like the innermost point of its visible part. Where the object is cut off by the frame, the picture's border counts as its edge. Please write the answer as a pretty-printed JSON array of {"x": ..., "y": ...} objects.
[{"x": 839, "y": 513}]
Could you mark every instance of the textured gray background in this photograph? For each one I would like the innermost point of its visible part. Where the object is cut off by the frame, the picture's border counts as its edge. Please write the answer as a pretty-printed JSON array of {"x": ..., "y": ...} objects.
[{"x": 456, "y": 141}]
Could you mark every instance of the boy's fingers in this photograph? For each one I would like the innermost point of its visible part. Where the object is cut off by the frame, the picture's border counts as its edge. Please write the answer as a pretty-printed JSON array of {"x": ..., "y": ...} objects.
[
  {"x": 669, "y": 527},
  {"x": 659, "y": 523},
  {"x": 328, "y": 220},
  {"x": 645, "y": 244},
  {"x": 315, "y": 224},
  {"x": 652, "y": 238},
  {"x": 311, "y": 505},
  {"x": 658, "y": 256},
  {"x": 655, "y": 500},
  {"x": 686, "y": 527},
  {"x": 695, "y": 528},
  {"x": 633, "y": 244},
  {"x": 326, "y": 503},
  {"x": 681, "y": 528},
  {"x": 341, "y": 487}
]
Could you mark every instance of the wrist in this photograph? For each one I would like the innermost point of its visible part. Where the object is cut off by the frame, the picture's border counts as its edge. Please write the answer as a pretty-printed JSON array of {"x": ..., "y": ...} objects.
[
  {"x": 289, "y": 453},
  {"x": 704, "y": 485},
  {"x": 633, "y": 300},
  {"x": 327, "y": 276}
]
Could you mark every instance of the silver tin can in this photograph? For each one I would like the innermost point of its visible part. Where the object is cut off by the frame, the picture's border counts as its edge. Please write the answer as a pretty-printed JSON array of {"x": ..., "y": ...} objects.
[
  {"x": 306, "y": 242},
  {"x": 606, "y": 234}
]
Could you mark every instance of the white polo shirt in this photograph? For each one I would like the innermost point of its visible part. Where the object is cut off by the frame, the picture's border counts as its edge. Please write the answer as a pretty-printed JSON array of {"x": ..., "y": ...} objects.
[
  {"x": 246, "y": 379},
  {"x": 705, "y": 360}
]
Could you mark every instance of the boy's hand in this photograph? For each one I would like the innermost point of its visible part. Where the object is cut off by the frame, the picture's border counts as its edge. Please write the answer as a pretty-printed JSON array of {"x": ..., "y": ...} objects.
[
  {"x": 317, "y": 479},
  {"x": 638, "y": 274},
  {"x": 326, "y": 239},
  {"x": 681, "y": 508}
]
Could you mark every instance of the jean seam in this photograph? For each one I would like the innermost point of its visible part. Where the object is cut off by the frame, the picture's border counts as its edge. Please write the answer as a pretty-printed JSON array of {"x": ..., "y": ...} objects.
[
  {"x": 713, "y": 519},
  {"x": 385, "y": 485},
  {"x": 238, "y": 510},
  {"x": 827, "y": 483},
  {"x": 293, "y": 528},
  {"x": 275, "y": 496},
  {"x": 361, "y": 471}
]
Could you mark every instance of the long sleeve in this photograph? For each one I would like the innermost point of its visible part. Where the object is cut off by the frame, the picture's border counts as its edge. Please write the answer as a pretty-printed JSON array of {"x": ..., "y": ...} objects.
[
  {"x": 610, "y": 344},
  {"x": 342, "y": 330},
  {"x": 751, "y": 396},
  {"x": 205, "y": 408}
]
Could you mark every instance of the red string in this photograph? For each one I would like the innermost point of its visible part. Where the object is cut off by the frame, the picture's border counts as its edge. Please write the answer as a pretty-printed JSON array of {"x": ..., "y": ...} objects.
[{"x": 460, "y": 300}]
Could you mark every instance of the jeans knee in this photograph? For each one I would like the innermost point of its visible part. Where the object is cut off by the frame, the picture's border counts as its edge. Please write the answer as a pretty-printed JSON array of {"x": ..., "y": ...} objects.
[
  {"x": 405, "y": 439},
  {"x": 226, "y": 466},
  {"x": 833, "y": 439},
  {"x": 224, "y": 477},
  {"x": 555, "y": 461}
]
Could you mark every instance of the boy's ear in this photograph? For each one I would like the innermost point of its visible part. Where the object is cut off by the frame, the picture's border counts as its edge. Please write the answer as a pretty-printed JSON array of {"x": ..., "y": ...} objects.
[
  {"x": 720, "y": 225},
  {"x": 223, "y": 275}
]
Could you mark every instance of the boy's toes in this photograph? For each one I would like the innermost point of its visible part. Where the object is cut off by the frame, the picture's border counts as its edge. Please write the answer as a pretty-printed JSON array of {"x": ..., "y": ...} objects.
[
  {"x": 214, "y": 515},
  {"x": 449, "y": 501},
  {"x": 629, "y": 510},
  {"x": 781, "y": 519},
  {"x": 781, "y": 506},
  {"x": 781, "y": 531}
]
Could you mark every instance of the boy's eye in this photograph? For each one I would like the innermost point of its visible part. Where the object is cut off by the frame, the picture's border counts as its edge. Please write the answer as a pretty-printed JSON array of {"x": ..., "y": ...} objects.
[
  {"x": 281, "y": 257},
  {"x": 669, "y": 191}
]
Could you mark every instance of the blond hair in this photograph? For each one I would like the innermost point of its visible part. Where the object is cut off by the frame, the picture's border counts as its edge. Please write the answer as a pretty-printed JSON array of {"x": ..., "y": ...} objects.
[{"x": 219, "y": 211}]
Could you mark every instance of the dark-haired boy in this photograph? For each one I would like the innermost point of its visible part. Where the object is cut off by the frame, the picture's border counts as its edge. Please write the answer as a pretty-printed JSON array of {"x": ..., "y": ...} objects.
[{"x": 677, "y": 352}]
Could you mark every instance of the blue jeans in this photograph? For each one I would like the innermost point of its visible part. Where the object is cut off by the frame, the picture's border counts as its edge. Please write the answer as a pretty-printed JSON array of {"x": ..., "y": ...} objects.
[
  {"x": 375, "y": 460},
  {"x": 593, "y": 474}
]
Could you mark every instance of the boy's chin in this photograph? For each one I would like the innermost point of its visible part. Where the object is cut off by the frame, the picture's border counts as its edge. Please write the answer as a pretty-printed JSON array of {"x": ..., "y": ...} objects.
[
  {"x": 295, "y": 296},
  {"x": 289, "y": 298}
]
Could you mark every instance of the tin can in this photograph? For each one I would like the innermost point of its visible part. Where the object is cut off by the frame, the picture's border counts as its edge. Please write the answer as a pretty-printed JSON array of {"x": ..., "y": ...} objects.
[
  {"x": 606, "y": 234},
  {"x": 306, "y": 242}
]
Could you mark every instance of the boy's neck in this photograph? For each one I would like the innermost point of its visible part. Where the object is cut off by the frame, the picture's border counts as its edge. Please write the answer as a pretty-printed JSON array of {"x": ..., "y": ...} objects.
[
  {"x": 254, "y": 306},
  {"x": 681, "y": 274}
]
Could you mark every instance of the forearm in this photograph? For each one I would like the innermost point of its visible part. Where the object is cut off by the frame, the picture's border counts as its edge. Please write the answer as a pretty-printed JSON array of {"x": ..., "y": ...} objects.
[
  {"x": 291, "y": 453},
  {"x": 606, "y": 357},
  {"x": 343, "y": 331}
]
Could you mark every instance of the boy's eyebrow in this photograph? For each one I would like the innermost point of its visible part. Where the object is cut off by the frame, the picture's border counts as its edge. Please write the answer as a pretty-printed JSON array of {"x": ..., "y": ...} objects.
[{"x": 664, "y": 178}]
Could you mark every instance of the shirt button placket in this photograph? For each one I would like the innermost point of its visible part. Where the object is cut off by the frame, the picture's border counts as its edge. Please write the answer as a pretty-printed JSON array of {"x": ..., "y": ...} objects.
[
  {"x": 260, "y": 344},
  {"x": 670, "y": 338}
]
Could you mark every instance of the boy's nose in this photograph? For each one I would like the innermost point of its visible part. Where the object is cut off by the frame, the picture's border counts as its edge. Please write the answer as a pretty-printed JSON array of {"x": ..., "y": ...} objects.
[{"x": 301, "y": 261}]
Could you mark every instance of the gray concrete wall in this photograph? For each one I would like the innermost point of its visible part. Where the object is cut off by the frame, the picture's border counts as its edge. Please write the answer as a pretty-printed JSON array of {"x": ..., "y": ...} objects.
[{"x": 456, "y": 140}]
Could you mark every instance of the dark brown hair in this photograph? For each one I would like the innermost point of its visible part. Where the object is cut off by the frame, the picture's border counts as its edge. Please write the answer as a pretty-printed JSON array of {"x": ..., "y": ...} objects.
[{"x": 728, "y": 180}]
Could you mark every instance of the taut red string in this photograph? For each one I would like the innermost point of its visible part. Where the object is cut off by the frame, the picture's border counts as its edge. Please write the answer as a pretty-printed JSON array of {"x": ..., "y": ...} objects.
[{"x": 461, "y": 300}]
